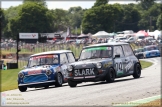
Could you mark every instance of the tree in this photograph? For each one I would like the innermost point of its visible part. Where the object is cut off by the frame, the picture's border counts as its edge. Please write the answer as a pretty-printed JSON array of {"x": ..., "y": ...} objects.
[
  {"x": 100, "y": 18},
  {"x": 3, "y": 21},
  {"x": 32, "y": 18},
  {"x": 159, "y": 22},
  {"x": 128, "y": 19},
  {"x": 100, "y": 2},
  {"x": 146, "y": 4},
  {"x": 42, "y": 2}
]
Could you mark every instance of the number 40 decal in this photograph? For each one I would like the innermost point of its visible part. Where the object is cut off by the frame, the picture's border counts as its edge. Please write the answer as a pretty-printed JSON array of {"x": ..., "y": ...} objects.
[{"x": 119, "y": 66}]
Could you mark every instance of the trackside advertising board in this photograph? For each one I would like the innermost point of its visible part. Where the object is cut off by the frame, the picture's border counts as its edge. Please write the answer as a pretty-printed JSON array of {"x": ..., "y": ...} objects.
[{"x": 28, "y": 35}]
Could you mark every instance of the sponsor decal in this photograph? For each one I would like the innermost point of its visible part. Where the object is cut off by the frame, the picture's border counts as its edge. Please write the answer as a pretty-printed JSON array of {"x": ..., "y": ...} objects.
[
  {"x": 128, "y": 66},
  {"x": 43, "y": 56},
  {"x": 98, "y": 48},
  {"x": 84, "y": 72},
  {"x": 34, "y": 72}
]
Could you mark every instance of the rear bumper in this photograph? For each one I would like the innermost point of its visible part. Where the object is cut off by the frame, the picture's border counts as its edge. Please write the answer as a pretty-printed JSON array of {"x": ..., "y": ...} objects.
[{"x": 38, "y": 83}]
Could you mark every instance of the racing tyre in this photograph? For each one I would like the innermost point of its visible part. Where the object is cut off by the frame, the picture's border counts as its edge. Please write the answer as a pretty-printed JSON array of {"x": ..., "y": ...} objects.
[
  {"x": 46, "y": 87},
  {"x": 110, "y": 77},
  {"x": 137, "y": 71},
  {"x": 72, "y": 84},
  {"x": 22, "y": 88},
  {"x": 59, "y": 80}
]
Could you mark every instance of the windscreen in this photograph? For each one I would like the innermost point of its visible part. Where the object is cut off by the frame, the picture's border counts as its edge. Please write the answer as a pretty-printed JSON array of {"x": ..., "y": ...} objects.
[
  {"x": 43, "y": 60},
  {"x": 96, "y": 52},
  {"x": 151, "y": 48}
]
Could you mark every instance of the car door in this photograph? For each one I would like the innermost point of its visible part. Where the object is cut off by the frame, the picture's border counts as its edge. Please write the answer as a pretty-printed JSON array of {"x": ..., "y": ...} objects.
[
  {"x": 64, "y": 62},
  {"x": 119, "y": 61},
  {"x": 129, "y": 59}
]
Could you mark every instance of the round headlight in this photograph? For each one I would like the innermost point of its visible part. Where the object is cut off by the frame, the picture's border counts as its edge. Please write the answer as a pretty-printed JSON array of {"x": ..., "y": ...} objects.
[
  {"x": 48, "y": 72},
  {"x": 99, "y": 65},
  {"x": 70, "y": 68},
  {"x": 21, "y": 75}
]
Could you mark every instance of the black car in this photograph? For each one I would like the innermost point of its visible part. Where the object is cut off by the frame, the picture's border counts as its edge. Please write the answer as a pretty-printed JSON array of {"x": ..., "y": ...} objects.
[
  {"x": 139, "y": 53},
  {"x": 105, "y": 61}
]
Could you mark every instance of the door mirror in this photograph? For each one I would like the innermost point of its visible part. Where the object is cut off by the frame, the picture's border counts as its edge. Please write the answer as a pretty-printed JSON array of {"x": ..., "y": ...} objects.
[
  {"x": 117, "y": 56},
  {"x": 25, "y": 67}
]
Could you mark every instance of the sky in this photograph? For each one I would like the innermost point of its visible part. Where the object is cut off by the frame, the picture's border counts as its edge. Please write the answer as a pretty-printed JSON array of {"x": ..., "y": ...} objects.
[{"x": 66, "y": 4}]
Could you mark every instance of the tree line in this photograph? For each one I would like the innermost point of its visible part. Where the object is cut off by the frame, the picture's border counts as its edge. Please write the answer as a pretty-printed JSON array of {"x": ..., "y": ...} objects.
[{"x": 34, "y": 16}]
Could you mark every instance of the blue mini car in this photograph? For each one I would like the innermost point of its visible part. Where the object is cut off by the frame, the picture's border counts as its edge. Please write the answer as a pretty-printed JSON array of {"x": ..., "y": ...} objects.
[
  {"x": 151, "y": 51},
  {"x": 45, "y": 69}
]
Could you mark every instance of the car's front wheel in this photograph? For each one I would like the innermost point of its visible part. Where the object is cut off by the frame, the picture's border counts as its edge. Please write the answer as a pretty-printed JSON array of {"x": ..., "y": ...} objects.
[
  {"x": 59, "y": 80},
  {"x": 72, "y": 84},
  {"x": 110, "y": 77},
  {"x": 22, "y": 88},
  {"x": 137, "y": 71}
]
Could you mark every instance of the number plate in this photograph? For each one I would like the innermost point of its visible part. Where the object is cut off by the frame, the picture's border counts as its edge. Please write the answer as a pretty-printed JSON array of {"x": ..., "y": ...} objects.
[{"x": 84, "y": 72}]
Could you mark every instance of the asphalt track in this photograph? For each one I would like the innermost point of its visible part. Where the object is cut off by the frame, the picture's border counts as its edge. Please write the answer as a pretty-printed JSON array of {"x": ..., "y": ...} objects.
[{"x": 92, "y": 94}]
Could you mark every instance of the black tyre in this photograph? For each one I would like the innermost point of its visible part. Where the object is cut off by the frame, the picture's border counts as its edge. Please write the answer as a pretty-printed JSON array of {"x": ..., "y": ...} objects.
[
  {"x": 110, "y": 77},
  {"x": 59, "y": 80},
  {"x": 72, "y": 84},
  {"x": 22, "y": 88},
  {"x": 46, "y": 87},
  {"x": 137, "y": 71}
]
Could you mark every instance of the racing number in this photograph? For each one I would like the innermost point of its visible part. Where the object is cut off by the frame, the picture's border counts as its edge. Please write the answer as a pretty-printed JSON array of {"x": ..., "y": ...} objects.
[{"x": 119, "y": 66}]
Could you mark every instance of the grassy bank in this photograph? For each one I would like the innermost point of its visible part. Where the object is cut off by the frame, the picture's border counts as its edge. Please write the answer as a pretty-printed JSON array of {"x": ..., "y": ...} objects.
[{"x": 9, "y": 77}]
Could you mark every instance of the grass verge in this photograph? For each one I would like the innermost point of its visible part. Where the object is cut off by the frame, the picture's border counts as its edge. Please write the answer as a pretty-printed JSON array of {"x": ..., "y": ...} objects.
[
  {"x": 145, "y": 64},
  {"x": 9, "y": 77},
  {"x": 155, "y": 103}
]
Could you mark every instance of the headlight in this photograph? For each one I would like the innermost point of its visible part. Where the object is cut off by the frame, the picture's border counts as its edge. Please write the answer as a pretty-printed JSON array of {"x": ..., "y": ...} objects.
[
  {"x": 21, "y": 75},
  {"x": 48, "y": 72},
  {"x": 99, "y": 65},
  {"x": 70, "y": 68}
]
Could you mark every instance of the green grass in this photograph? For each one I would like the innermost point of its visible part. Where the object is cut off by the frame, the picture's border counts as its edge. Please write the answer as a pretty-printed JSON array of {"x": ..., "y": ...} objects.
[
  {"x": 145, "y": 64},
  {"x": 9, "y": 77}
]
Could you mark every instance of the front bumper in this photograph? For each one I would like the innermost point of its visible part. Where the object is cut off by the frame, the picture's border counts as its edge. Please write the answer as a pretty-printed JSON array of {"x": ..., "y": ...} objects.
[
  {"x": 38, "y": 83},
  {"x": 94, "y": 78}
]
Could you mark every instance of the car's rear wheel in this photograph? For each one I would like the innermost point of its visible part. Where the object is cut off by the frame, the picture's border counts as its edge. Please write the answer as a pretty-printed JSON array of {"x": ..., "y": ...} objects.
[
  {"x": 22, "y": 88},
  {"x": 137, "y": 71},
  {"x": 59, "y": 80},
  {"x": 110, "y": 77},
  {"x": 72, "y": 83}
]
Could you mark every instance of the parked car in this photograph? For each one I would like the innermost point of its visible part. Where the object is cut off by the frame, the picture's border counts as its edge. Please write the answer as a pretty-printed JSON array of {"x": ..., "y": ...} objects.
[
  {"x": 45, "y": 69},
  {"x": 105, "y": 61},
  {"x": 151, "y": 51},
  {"x": 139, "y": 53},
  {"x": 120, "y": 39},
  {"x": 130, "y": 40}
]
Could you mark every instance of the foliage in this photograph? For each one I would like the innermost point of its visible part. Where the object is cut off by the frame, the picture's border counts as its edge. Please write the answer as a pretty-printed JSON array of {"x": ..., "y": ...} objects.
[
  {"x": 159, "y": 22},
  {"x": 34, "y": 18},
  {"x": 100, "y": 18},
  {"x": 100, "y": 2},
  {"x": 42, "y": 2}
]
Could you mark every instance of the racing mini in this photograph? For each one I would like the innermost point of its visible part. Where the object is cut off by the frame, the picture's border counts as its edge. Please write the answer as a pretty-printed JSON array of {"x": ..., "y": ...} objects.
[
  {"x": 45, "y": 69},
  {"x": 104, "y": 62}
]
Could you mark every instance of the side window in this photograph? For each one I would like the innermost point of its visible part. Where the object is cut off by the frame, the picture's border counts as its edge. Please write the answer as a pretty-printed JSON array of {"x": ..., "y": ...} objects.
[
  {"x": 127, "y": 50},
  {"x": 118, "y": 51},
  {"x": 71, "y": 57},
  {"x": 63, "y": 58}
]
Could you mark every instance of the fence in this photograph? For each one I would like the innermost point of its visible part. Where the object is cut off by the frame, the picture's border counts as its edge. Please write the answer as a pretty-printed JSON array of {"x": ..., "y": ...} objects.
[{"x": 29, "y": 49}]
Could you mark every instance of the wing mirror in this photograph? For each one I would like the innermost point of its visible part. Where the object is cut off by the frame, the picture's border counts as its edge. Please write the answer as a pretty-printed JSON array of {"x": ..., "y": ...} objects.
[
  {"x": 117, "y": 56},
  {"x": 25, "y": 67}
]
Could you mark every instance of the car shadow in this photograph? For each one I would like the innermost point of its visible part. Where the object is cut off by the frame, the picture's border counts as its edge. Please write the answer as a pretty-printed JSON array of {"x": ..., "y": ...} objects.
[
  {"x": 42, "y": 88},
  {"x": 104, "y": 82}
]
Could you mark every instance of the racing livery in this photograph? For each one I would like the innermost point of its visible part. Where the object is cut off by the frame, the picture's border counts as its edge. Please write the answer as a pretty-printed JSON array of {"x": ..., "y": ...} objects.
[
  {"x": 45, "y": 69},
  {"x": 102, "y": 62},
  {"x": 139, "y": 53},
  {"x": 151, "y": 51}
]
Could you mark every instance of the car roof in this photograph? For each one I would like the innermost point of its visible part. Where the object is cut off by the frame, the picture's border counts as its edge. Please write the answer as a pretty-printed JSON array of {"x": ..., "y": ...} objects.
[
  {"x": 52, "y": 52},
  {"x": 106, "y": 44}
]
